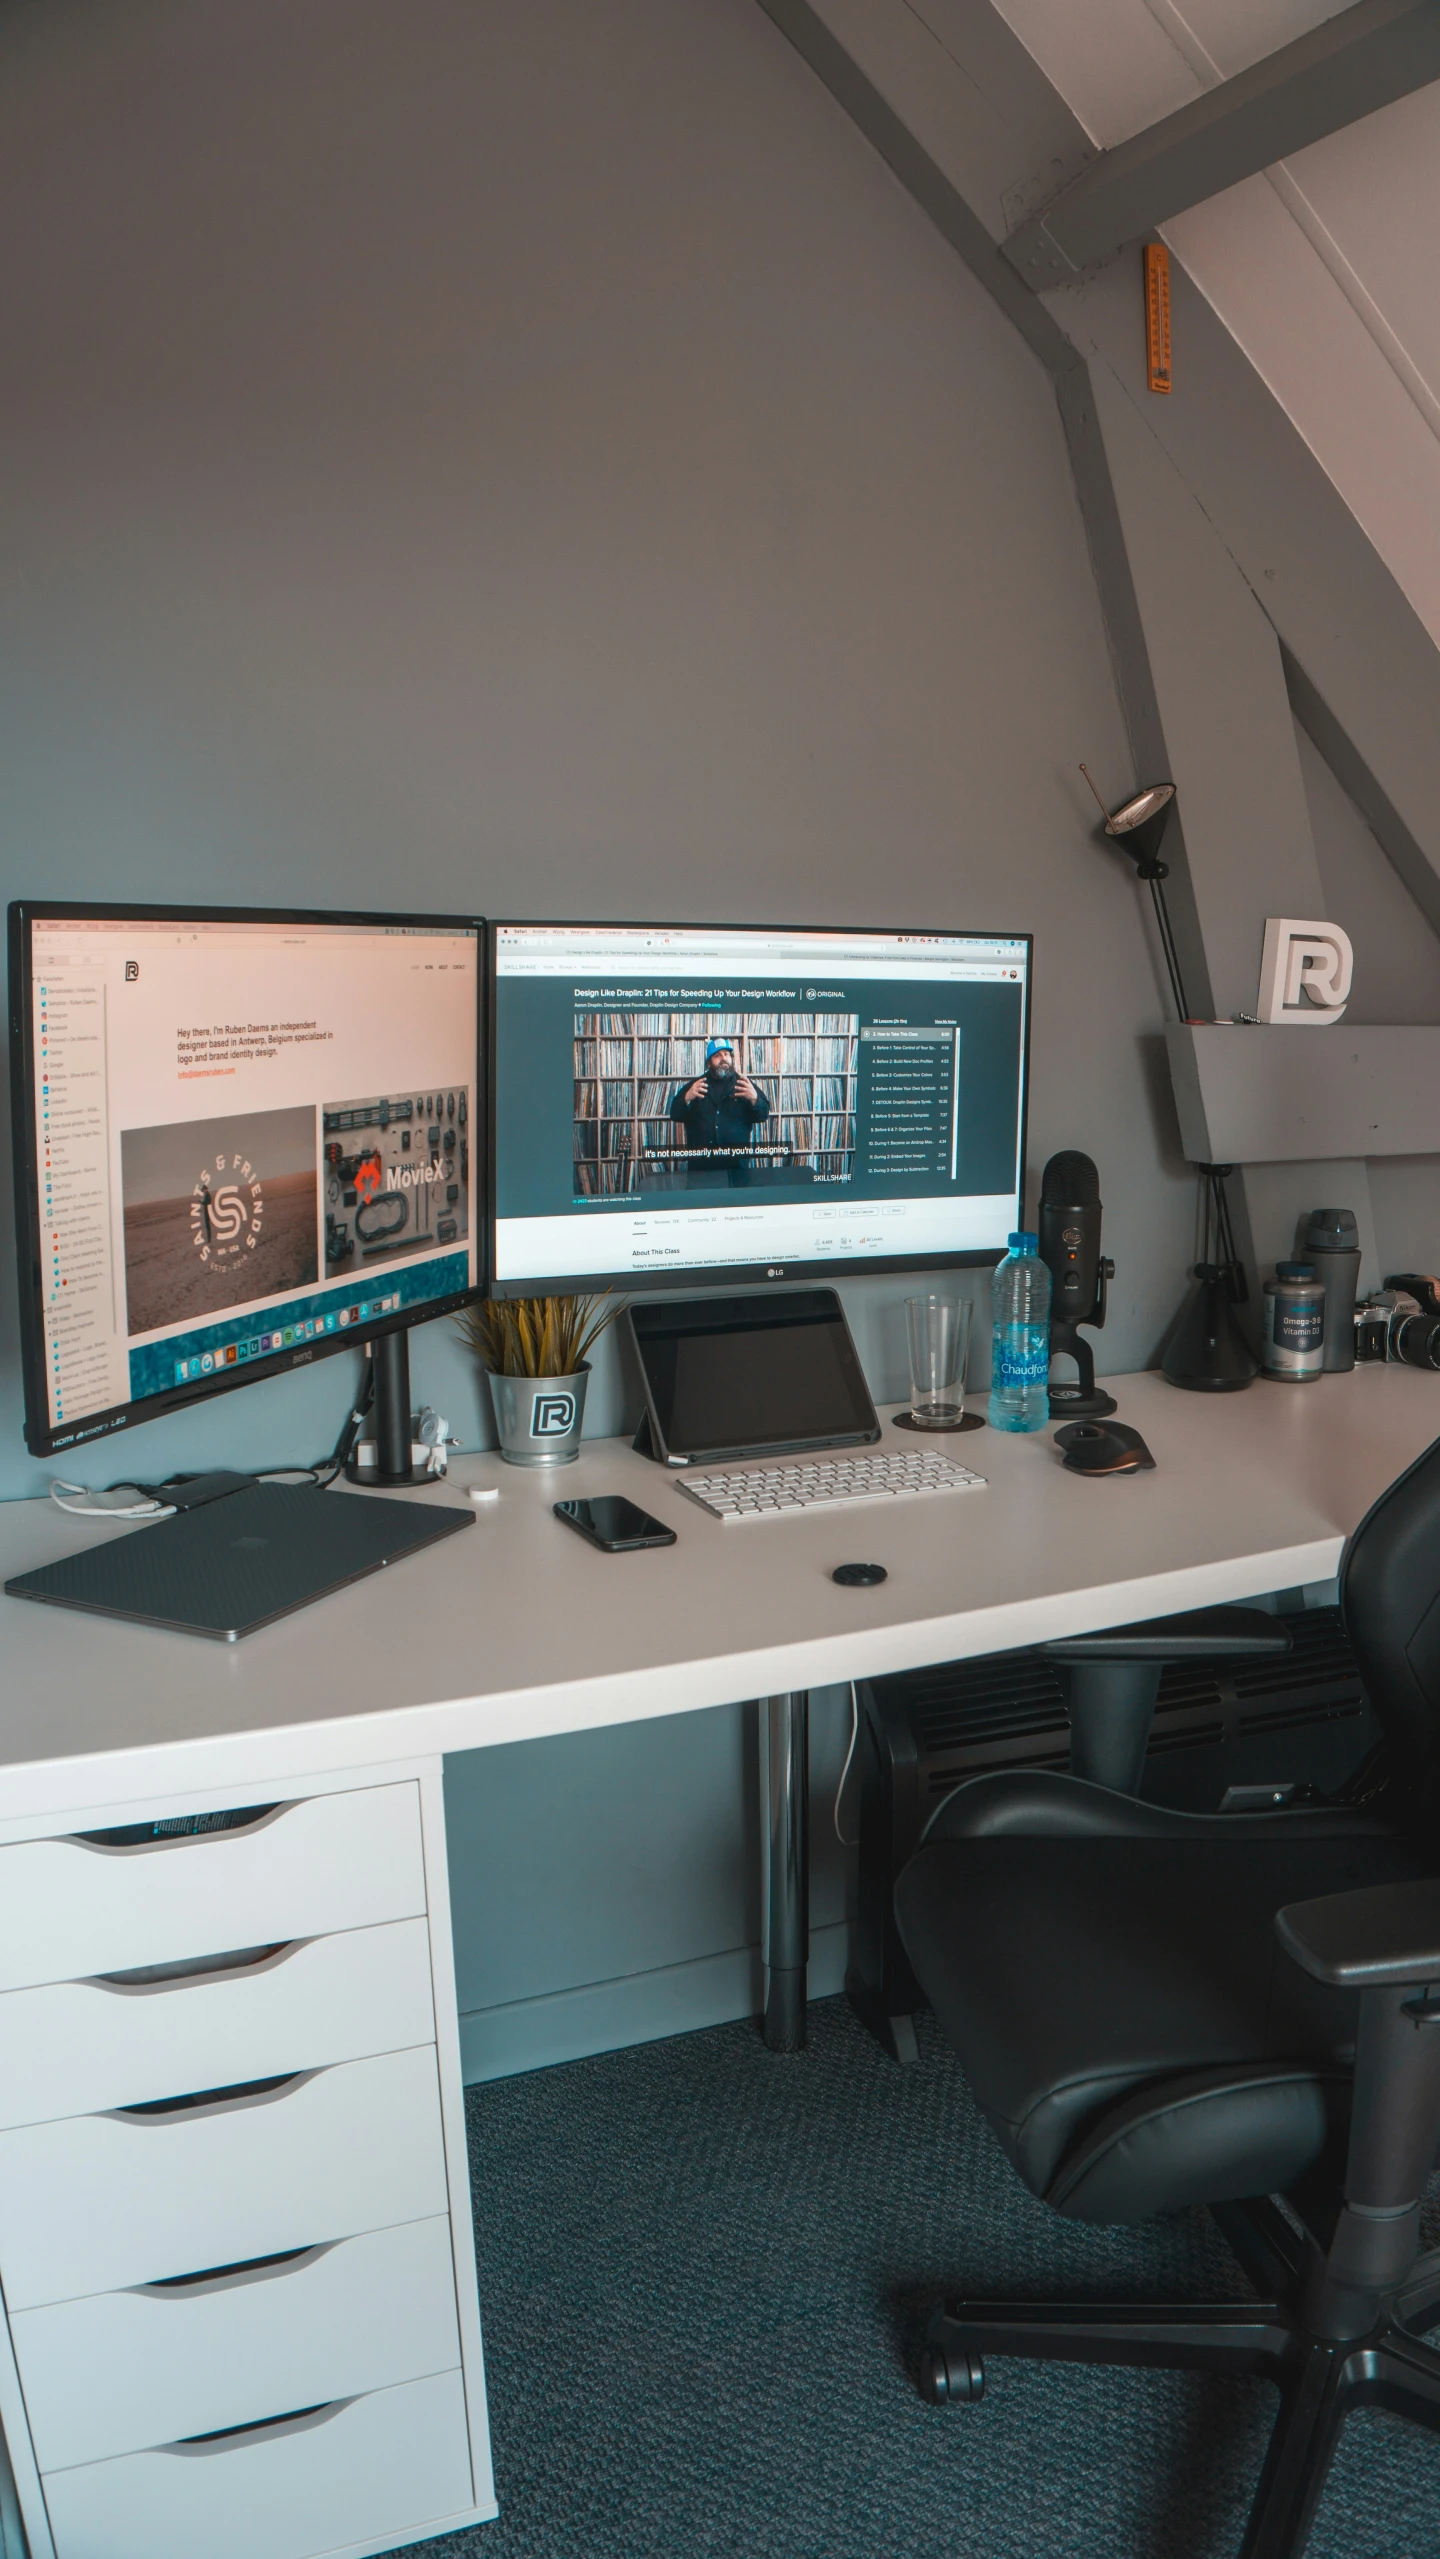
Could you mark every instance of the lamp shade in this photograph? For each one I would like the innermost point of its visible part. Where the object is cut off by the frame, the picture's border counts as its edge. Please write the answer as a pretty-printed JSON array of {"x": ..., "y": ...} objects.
[{"x": 1138, "y": 825}]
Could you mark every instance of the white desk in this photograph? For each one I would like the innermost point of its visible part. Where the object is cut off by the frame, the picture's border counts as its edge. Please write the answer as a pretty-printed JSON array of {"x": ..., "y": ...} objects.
[{"x": 341, "y": 1717}]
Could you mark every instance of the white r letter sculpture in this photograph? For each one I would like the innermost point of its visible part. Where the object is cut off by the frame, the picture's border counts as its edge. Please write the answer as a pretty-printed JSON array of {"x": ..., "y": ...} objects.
[{"x": 1305, "y": 971}]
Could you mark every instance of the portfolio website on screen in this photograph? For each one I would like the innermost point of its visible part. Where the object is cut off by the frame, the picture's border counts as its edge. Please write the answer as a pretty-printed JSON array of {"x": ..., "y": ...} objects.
[
  {"x": 248, "y": 1136},
  {"x": 684, "y": 1098}
]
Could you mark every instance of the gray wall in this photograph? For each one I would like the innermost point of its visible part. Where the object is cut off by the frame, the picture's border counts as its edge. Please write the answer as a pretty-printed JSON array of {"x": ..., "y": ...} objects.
[
  {"x": 533, "y": 457},
  {"x": 1397, "y": 979},
  {"x": 1397, "y": 950}
]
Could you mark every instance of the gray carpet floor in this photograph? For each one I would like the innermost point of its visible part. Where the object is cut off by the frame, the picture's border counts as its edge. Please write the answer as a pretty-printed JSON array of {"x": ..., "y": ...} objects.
[{"x": 703, "y": 2271}]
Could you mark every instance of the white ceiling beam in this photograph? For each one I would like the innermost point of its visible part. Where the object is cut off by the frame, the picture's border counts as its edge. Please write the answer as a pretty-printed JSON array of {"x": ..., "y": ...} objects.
[{"x": 1365, "y": 58}]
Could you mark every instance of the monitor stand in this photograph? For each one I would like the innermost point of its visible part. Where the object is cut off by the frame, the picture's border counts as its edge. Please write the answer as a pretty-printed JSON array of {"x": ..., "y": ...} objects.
[{"x": 388, "y": 1461}]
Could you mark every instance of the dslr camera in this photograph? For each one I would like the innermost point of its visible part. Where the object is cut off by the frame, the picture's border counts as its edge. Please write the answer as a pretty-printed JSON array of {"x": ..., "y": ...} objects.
[{"x": 1401, "y": 1321}]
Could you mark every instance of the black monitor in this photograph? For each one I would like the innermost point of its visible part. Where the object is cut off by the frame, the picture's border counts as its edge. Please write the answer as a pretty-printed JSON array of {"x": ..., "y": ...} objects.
[
  {"x": 673, "y": 1103},
  {"x": 243, "y": 1139}
]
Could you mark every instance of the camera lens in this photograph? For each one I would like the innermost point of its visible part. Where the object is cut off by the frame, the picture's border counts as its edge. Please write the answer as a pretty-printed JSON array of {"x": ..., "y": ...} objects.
[{"x": 1417, "y": 1341}]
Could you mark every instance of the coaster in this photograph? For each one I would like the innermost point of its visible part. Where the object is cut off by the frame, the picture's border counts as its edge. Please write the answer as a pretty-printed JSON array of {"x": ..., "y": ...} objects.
[{"x": 938, "y": 1430}]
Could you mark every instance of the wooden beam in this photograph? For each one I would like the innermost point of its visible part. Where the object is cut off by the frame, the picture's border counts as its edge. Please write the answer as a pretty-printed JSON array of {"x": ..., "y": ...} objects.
[{"x": 1364, "y": 58}]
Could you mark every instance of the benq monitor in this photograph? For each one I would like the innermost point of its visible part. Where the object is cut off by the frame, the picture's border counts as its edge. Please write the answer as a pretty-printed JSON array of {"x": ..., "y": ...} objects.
[
  {"x": 242, "y": 1140},
  {"x": 677, "y": 1102}
]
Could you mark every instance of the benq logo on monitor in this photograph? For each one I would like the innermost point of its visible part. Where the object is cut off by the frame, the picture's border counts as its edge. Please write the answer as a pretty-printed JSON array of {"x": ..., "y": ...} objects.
[{"x": 551, "y": 1416}]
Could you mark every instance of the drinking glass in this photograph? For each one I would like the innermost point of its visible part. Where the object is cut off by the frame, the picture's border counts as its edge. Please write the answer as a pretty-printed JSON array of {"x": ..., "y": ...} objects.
[{"x": 939, "y": 1336}]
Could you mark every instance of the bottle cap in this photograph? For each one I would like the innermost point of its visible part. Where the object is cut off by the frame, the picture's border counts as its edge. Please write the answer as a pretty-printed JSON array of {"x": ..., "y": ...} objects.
[
  {"x": 1332, "y": 1230},
  {"x": 1021, "y": 1242},
  {"x": 1295, "y": 1270}
]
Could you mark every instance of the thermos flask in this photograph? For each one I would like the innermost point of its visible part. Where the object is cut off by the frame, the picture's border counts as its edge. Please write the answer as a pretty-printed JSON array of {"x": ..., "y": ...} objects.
[{"x": 1332, "y": 1247}]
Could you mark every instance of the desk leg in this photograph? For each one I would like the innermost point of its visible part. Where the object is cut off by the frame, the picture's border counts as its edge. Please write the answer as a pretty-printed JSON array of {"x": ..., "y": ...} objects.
[{"x": 785, "y": 1881}]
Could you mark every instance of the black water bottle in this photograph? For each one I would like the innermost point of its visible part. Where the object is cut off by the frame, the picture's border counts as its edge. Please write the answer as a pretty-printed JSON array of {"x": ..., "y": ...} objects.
[{"x": 1332, "y": 1247}]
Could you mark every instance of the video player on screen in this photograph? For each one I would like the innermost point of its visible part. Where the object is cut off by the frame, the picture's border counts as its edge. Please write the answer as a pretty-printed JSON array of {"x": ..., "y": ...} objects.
[{"x": 716, "y": 1113}]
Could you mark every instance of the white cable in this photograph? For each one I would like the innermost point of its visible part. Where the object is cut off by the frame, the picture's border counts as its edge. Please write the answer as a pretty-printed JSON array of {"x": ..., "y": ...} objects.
[
  {"x": 845, "y": 1771},
  {"x": 92, "y": 1505}
]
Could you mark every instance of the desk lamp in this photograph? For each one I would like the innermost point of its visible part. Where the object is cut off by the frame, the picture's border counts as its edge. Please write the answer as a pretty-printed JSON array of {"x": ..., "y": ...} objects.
[
  {"x": 1137, "y": 827},
  {"x": 1206, "y": 1349}
]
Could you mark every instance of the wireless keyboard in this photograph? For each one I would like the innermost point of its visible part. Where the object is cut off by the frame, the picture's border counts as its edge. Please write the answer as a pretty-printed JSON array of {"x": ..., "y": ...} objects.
[{"x": 829, "y": 1483}]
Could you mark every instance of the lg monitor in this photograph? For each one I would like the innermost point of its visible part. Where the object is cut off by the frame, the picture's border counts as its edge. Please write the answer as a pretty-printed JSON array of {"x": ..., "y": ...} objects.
[
  {"x": 679, "y": 1102},
  {"x": 242, "y": 1141}
]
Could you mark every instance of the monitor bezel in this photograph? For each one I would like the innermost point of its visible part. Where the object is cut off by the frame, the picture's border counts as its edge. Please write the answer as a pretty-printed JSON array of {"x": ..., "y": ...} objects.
[
  {"x": 699, "y": 1279},
  {"x": 24, "y": 913}
]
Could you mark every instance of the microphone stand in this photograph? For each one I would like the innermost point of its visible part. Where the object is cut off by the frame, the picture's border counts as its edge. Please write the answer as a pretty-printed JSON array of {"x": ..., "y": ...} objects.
[{"x": 1084, "y": 1401}]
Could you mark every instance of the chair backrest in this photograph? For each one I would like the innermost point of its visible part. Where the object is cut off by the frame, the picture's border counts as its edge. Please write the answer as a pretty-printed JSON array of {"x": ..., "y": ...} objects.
[{"x": 1390, "y": 1598}]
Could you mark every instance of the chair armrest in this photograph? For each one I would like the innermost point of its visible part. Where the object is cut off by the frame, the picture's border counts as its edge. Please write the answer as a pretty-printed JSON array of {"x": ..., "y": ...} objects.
[
  {"x": 1044, "y": 1803},
  {"x": 1382, "y": 1938},
  {"x": 1196, "y": 1635}
]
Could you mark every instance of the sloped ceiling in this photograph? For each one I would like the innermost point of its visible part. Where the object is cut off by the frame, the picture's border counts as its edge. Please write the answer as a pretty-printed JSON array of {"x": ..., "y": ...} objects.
[{"x": 1324, "y": 268}]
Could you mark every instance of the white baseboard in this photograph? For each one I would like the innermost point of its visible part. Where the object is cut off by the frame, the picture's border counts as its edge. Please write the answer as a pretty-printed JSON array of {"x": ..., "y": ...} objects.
[{"x": 639, "y": 2008}]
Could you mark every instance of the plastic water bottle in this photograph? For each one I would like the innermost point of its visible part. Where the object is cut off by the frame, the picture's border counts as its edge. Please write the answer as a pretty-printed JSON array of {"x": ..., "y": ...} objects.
[{"x": 1020, "y": 1350}]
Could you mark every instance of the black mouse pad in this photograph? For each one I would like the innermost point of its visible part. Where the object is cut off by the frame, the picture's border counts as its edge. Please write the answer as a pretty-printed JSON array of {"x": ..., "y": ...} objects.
[{"x": 241, "y": 1562}]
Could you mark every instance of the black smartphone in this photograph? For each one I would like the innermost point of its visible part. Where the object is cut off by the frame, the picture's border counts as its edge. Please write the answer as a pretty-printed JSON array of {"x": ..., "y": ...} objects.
[{"x": 613, "y": 1524}]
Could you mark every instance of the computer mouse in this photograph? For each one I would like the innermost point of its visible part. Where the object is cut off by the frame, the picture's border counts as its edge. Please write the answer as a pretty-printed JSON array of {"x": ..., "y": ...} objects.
[
  {"x": 859, "y": 1576},
  {"x": 1103, "y": 1448}
]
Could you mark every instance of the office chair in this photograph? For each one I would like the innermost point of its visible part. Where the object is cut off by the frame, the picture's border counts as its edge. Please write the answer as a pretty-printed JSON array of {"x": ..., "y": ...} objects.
[
  {"x": 1115, "y": 1681},
  {"x": 1159, "y": 2009}
]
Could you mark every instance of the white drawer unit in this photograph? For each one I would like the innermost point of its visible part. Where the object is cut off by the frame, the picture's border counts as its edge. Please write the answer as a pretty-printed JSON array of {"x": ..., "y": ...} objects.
[
  {"x": 84, "y": 1904},
  {"x": 108, "y": 2200},
  {"x": 361, "y": 2471},
  {"x": 237, "y": 2291},
  {"x": 124, "y": 2371},
  {"x": 72, "y": 2048}
]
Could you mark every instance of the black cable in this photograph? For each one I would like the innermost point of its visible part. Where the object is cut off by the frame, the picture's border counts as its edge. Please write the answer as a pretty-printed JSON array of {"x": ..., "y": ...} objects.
[
  {"x": 331, "y": 1466},
  {"x": 321, "y": 1471},
  {"x": 1235, "y": 1268},
  {"x": 1218, "y": 1249}
]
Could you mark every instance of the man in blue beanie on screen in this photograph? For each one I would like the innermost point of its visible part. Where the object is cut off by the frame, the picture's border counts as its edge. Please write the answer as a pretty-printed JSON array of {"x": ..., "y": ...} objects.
[{"x": 716, "y": 1114}]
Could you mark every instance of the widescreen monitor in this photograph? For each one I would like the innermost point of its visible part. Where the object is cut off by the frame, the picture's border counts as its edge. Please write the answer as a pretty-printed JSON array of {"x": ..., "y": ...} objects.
[
  {"x": 677, "y": 1103},
  {"x": 242, "y": 1140}
]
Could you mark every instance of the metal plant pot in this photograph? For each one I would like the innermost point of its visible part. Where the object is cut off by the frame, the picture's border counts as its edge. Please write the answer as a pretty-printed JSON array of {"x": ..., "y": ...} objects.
[{"x": 539, "y": 1418}]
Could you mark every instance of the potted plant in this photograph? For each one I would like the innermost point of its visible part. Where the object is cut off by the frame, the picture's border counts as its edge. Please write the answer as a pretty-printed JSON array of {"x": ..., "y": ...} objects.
[{"x": 534, "y": 1351}]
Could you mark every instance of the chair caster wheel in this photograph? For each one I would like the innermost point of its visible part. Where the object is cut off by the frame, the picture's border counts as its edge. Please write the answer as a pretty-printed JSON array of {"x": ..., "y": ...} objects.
[{"x": 951, "y": 2376}]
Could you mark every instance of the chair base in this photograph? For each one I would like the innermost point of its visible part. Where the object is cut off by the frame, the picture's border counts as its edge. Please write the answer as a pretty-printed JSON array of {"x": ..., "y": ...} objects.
[{"x": 1321, "y": 2379}]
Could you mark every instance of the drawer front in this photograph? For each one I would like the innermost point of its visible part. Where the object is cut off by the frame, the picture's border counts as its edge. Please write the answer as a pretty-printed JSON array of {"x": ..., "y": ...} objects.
[
  {"x": 128, "y": 2370},
  {"x": 105, "y": 2200},
  {"x": 367, "y": 2470},
  {"x": 71, "y": 1906},
  {"x": 71, "y": 2048}
]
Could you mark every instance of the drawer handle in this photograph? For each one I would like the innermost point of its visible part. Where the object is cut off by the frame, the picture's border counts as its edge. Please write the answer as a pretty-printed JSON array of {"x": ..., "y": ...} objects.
[
  {"x": 291, "y": 2421},
  {"x": 244, "y": 2092},
  {"x": 176, "y": 1830},
  {"x": 194, "y": 1969},
  {"x": 244, "y": 2270}
]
